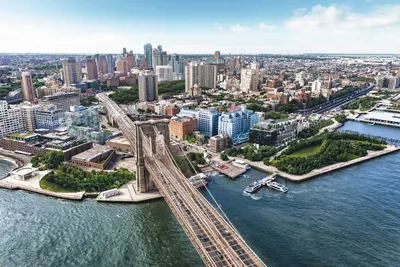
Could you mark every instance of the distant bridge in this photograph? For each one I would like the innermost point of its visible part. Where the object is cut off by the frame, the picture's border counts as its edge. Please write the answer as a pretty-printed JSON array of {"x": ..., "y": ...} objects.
[{"x": 214, "y": 237}]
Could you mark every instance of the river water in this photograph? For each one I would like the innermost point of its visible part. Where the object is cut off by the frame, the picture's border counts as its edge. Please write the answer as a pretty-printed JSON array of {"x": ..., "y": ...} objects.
[{"x": 350, "y": 217}]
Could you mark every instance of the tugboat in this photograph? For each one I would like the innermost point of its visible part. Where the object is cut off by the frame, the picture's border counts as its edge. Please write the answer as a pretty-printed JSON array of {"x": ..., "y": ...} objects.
[
  {"x": 253, "y": 187},
  {"x": 277, "y": 186}
]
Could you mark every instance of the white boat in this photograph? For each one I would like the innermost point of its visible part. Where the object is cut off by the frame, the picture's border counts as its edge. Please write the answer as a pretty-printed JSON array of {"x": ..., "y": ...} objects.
[
  {"x": 251, "y": 188},
  {"x": 241, "y": 164},
  {"x": 277, "y": 186},
  {"x": 371, "y": 123}
]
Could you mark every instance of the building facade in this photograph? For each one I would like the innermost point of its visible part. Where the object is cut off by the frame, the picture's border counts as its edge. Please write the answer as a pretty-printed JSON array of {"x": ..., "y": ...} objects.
[
  {"x": 237, "y": 124},
  {"x": 148, "y": 86},
  {"x": 62, "y": 101},
  {"x": 208, "y": 122},
  {"x": 28, "y": 91},
  {"x": 71, "y": 71},
  {"x": 50, "y": 118},
  {"x": 164, "y": 73},
  {"x": 148, "y": 50},
  {"x": 10, "y": 119},
  {"x": 179, "y": 127},
  {"x": 91, "y": 69}
]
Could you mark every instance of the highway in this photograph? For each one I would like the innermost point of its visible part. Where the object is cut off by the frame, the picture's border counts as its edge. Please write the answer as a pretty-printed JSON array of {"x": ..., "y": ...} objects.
[
  {"x": 215, "y": 239},
  {"x": 336, "y": 102}
]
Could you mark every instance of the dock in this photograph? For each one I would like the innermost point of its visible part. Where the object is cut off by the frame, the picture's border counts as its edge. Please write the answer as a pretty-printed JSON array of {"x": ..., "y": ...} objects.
[
  {"x": 267, "y": 179},
  {"x": 129, "y": 194},
  {"x": 229, "y": 170}
]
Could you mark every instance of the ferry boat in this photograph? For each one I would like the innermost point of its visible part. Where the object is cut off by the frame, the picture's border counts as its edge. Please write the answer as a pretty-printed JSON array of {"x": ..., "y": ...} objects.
[
  {"x": 251, "y": 188},
  {"x": 199, "y": 180},
  {"x": 277, "y": 186},
  {"x": 241, "y": 164}
]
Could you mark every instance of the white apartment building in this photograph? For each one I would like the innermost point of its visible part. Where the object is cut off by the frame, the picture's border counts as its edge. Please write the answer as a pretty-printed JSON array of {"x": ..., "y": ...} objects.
[
  {"x": 316, "y": 87},
  {"x": 49, "y": 118},
  {"x": 249, "y": 80},
  {"x": 10, "y": 119},
  {"x": 28, "y": 113},
  {"x": 164, "y": 73}
]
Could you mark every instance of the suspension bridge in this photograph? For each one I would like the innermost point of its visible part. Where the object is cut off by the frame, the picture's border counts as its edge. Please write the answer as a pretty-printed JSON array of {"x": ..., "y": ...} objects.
[{"x": 208, "y": 229}]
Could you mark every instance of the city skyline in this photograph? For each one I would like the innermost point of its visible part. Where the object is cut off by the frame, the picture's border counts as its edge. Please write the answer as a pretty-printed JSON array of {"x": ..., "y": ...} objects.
[{"x": 353, "y": 26}]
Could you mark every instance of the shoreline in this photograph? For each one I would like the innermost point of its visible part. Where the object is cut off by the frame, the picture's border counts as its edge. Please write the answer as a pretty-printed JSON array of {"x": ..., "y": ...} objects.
[{"x": 324, "y": 170}]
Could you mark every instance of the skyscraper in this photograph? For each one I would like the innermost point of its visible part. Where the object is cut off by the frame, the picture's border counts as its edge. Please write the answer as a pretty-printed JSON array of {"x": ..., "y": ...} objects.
[
  {"x": 110, "y": 63},
  {"x": 148, "y": 86},
  {"x": 130, "y": 61},
  {"x": 191, "y": 76},
  {"x": 123, "y": 52},
  {"x": 176, "y": 62},
  {"x": 91, "y": 69},
  {"x": 159, "y": 47},
  {"x": 28, "y": 91},
  {"x": 102, "y": 64},
  {"x": 207, "y": 75},
  {"x": 148, "y": 50},
  {"x": 71, "y": 71}
]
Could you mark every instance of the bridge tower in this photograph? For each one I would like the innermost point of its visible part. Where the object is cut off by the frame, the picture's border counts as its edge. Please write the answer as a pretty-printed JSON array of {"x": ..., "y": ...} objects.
[{"x": 154, "y": 129}]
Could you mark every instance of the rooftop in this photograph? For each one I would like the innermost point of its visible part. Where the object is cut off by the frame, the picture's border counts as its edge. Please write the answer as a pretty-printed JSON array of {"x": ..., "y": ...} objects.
[
  {"x": 384, "y": 116},
  {"x": 92, "y": 153},
  {"x": 22, "y": 135}
]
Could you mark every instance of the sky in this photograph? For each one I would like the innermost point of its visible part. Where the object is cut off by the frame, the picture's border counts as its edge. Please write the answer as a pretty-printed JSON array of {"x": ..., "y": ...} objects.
[{"x": 200, "y": 26}]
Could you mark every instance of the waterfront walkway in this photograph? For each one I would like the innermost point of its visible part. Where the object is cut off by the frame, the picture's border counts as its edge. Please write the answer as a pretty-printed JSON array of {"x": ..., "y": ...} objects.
[
  {"x": 324, "y": 170},
  {"x": 32, "y": 185}
]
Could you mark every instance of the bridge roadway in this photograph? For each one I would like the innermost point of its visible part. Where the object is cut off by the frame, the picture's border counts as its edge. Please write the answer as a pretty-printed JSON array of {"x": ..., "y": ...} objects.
[{"x": 217, "y": 241}]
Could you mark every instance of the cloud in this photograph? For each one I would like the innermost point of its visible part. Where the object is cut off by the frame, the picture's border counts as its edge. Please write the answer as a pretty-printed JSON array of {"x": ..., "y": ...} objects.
[
  {"x": 262, "y": 25},
  {"x": 238, "y": 28},
  {"x": 339, "y": 18},
  {"x": 219, "y": 27}
]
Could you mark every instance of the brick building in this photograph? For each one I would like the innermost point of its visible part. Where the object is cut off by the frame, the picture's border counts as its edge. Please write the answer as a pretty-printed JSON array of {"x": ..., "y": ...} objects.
[{"x": 179, "y": 127}]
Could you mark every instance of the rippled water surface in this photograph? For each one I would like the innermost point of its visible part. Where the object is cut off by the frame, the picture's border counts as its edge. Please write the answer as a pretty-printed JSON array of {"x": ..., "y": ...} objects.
[{"x": 346, "y": 218}]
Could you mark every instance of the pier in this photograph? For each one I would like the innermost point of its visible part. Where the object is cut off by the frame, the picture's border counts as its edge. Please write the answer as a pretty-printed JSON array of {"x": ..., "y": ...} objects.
[{"x": 229, "y": 170}]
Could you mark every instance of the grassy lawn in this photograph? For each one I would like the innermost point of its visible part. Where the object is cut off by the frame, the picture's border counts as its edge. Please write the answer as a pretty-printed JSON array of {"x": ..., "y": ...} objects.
[
  {"x": 44, "y": 184},
  {"x": 184, "y": 166},
  {"x": 306, "y": 151}
]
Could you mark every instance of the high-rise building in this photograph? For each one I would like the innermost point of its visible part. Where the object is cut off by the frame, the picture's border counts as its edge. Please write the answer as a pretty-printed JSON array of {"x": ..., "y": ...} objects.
[
  {"x": 28, "y": 115},
  {"x": 101, "y": 62},
  {"x": 130, "y": 61},
  {"x": 71, "y": 71},
  {"x": 110, "y": 63},
  {"x": 148, "y": 86},
  {"x": 156, "y": 56},
  {"x": 316, "y": 87},
  {"x": 249, "y": 80},
  {"x": 176, "y": 62},
  {"x": 207, "y": 75},
  {"x": 10, "y": 119},
  {"x": 148, "y": 50},
  {"x": 123, "y": 52},
  {"x": 237, "y": 124},
  {"x": 28, "y": 91},
  {"x": 208, "y": 122},
  {"x": 191, "y": 75},
  {"x": 121, "y": 66},
  {"x": 217, "y": 55},
  {"x": 91, "y": 69},
  {"x": 164, "y": 73}
]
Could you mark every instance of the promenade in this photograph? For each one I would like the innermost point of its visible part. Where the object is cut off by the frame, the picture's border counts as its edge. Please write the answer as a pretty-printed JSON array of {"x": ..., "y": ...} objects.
[
  {"x": 33, "y": 185},
  {"x": 324, "y": 170}
]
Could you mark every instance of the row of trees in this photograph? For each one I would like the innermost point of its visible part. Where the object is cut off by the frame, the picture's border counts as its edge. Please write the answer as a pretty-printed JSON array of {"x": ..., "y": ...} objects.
[{"x": 76, "y": 179}]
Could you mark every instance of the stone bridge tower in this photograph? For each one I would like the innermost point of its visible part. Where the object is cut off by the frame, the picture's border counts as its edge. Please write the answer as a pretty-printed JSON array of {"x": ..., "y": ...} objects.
[{"x": 149, "y": 128}]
